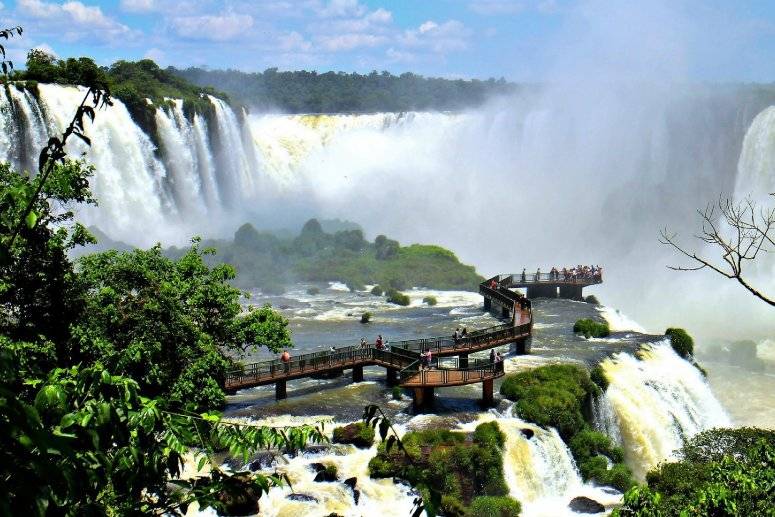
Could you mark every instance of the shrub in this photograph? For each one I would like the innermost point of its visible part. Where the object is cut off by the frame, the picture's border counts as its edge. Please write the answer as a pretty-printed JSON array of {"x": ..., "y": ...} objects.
[
  {"x": 730, "y": 476},
  {"x": 354, "y": 285},
  {"x": 430, "y": 300},
  {"x": 358, "y": 434},
  {"x": 397, "y": 297},
  {"x": 592, "y": 299},
  {"x": 551, "y": 396},
  {"x": 681, "y": 341},
  {"x": 597, "y": 374},
  {"x": 377, "y": 290},
  {"x": 313, "y": 290},
  {"x": 592, "y": 451},
  {"x": 591, "y": 328},
  {"x": 489, "y": 435},
  {"x": 494, "y": 506},
  {"x": 366, "y": 317},
  {"x": 396, "y": 393}
]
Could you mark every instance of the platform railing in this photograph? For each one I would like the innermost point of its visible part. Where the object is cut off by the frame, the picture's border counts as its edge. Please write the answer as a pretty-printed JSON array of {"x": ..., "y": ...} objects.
[{"x": 528, "y": 278}]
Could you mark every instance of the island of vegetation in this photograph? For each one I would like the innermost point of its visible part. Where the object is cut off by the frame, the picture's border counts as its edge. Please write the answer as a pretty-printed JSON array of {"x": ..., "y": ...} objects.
[
  {"x": 270, "y": 262},
  {"x": 457, "y": 473}
]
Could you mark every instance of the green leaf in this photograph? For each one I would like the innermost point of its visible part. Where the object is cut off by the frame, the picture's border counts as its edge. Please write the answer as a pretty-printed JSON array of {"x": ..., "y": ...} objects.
[{"x": 31, "y": 219}]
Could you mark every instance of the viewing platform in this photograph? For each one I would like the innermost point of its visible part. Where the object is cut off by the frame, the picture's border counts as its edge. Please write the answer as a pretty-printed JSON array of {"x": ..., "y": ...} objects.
[
  {"x": 402, "y": 360},
  {"x": 548, "y": 285}
]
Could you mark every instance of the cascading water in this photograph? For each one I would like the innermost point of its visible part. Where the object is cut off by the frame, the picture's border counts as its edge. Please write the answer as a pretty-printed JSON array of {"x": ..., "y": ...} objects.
[
  {"x": 237, "y": 180},
  {"x": 659, "y": 401}
]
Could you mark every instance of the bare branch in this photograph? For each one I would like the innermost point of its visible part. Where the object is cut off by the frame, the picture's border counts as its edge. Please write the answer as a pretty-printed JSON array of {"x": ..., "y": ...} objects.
[{"x": 741, "y": 231}]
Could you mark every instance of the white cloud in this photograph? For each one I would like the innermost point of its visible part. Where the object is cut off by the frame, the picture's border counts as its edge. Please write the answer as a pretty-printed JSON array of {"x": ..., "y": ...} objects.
[
  {"x": 345, "y": 42},
  {"x": 496, "y": 7},
  {"x": 138, "y": 6},
  {"x": 341, "y": 8},
  {"x": 45, "y": 47},
  {"x": 156, "y": 54},
  {"x": 79, "y": 20},
  {"x": 441, "y": 38},
  {"x": 400, "y": 56},
  {"x": 222, "y": 27},
  {"x": 293, "y": 42}
]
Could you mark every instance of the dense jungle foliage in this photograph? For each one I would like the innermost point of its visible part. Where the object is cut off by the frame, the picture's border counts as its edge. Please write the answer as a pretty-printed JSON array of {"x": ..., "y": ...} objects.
[
  {"x": 110, "y": 367},
  {"x": 719, "y": 472},
  {"x": 269, "y": 262},
  {"x": 337, "y": 92}
]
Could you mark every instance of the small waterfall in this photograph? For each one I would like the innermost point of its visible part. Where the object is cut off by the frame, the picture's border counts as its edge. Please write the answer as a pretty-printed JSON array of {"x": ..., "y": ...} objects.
[
  {"x": 756, "y": 167},
  {"x": 659, "y": 401},
  {"x": 540, "y": 471},
  {"x": 205, "y": 160},
  {"x": 180, "y": 157},
  {"x": 605, "y": 419},
  {"x": 232, "y": 160},
  {"x": 33, "y": 127}
]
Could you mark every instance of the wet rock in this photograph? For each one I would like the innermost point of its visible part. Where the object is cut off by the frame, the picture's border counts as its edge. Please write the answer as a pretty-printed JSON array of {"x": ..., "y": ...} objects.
[
  {"x": 315, "y": 449},
  {"x": 317, "y": 467},
  {"x": 527, "y": 433},
  {"x": 585, "y": 505},
  {"x": 352, "y": 483},
  {"x": 241, "y": 496},
  {"x": 332, "y": 514},
  {"x": 303, "y": 498},
  {"x": 263, "y": 460},
  {"x": 325, "y": 473}
]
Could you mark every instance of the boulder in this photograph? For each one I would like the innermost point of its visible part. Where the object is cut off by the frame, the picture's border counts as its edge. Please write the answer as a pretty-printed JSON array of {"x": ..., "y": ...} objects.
[
  {"x": 241, "y": 496},
  {"x": 262, "y": 461},
  {"x": 527, "y": 433},
  {"x": 585, "y": 505},
  {"x": 352, "y": 483},
  {"x": 304, "y": 498}
]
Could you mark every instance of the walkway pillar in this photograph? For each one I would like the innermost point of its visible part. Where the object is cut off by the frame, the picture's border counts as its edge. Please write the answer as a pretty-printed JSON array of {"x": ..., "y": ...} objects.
[
  {"x": 280, "y": 391},
  {"x": 357, "y": 373},
  {"x": 392, "y": 376},
  {"x": 487, "y": 398},
  {"x": 423, "y": 398},
  {"x": 462, "y": 361},
  {"x": 571, "y": 292}
]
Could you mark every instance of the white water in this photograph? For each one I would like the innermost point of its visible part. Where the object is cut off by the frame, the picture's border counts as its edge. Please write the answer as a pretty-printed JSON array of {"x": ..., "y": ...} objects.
[{"x": 659, "y": 401}]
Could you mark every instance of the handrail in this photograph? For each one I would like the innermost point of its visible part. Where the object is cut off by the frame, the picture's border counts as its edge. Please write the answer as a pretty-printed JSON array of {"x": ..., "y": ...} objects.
[{"x": 517, "y": 278}]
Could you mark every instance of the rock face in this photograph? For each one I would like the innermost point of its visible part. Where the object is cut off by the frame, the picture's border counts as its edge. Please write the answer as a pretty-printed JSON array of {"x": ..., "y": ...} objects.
[
  {"x": 527, "y": 433},
  {"x": 325, "y": 473},
  {"x": 585, "y": 505}
]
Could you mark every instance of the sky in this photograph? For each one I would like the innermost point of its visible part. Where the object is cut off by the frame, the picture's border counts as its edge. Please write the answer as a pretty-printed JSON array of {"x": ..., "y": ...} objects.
[{"x": 521, "y": 40}]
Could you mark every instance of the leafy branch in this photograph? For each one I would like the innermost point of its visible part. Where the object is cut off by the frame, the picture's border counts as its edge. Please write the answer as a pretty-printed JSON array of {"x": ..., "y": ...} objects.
[
  {"x": 6, "y": 34},
  {"x": 741, "y": 231}
]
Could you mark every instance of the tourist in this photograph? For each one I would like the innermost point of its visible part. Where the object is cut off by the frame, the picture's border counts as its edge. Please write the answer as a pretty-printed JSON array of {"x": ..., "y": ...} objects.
[
  {"x": 492, "y": 355},
  {"x": 332, "y": 349},
  {"x": 286, "y": 359},
  {"x": 379, "y": 344},
  {"x": 538, "y": 275},
  {"x": 430, "y": 356},
  {"x": 423, "y": 360},
  {"x": 364, "y": 344},
  {"x": 524, "y": 275},
  {"x": 464, "y": 333},
  {"x": 493, "y": 284}
]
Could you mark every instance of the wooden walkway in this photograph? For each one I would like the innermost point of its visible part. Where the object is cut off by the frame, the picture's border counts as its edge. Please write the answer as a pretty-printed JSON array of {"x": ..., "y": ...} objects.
[{"x": 402, "y": 358}]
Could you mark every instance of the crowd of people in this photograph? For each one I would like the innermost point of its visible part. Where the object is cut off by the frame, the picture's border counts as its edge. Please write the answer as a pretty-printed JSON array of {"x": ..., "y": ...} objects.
[{"x": 569, "y": 274}]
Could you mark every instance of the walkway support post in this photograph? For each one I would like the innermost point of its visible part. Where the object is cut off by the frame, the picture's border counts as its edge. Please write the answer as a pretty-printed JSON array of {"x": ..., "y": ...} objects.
[
  {"x": 487, "y": 398},
  {"x": 423, "y": 398},
  {"x": 462, "y": 361},
  {"x": 280, "y": 390},
  {"x": 392, "y": 376},
  {"x": 571, "y": 292},
  {"x": 357, "y": 373}
]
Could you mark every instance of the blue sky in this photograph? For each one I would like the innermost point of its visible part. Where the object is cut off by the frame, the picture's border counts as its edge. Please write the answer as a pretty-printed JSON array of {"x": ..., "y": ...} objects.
[{"x": 523, "y": 40}]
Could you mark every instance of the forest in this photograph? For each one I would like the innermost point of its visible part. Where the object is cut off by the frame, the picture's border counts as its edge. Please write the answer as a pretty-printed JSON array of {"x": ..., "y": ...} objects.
[{"x": 339, "y": 92}]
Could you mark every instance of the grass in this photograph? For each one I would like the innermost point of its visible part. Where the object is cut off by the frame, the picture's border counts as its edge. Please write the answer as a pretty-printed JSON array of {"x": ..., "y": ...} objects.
[{"x": 359, "y": 434}]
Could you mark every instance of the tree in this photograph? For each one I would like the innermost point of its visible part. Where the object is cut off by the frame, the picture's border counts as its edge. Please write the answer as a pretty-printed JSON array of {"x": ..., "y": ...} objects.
[{"x": 742, "y": 232}]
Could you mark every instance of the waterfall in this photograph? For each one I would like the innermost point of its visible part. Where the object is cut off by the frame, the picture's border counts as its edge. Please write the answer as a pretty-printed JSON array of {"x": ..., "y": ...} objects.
[
  {"x": 205, "y": 160},
  {"x": 756, "y": 167},
  {"x": 659, "y": 401},
  {"x": 232, "y": 159},
  {"x": 35, "y": 133},
  {"x": 181, "y": 158}
]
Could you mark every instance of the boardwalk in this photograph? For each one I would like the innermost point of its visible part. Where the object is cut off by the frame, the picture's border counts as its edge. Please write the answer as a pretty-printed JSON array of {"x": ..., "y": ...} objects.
[{"x": 401, "y": 359}]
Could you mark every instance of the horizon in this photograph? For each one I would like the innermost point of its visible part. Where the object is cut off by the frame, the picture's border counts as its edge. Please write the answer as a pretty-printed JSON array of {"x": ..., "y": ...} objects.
[{"x": 542, "y": 41}]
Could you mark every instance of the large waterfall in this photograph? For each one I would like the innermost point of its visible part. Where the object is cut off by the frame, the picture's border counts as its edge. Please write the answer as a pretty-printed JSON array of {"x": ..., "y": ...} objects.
[{"x": 589, "y": 176}]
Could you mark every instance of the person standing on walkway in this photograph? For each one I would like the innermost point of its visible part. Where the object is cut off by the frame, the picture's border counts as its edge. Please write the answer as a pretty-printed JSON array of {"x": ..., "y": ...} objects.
[{"x": 286, "y": 359}]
